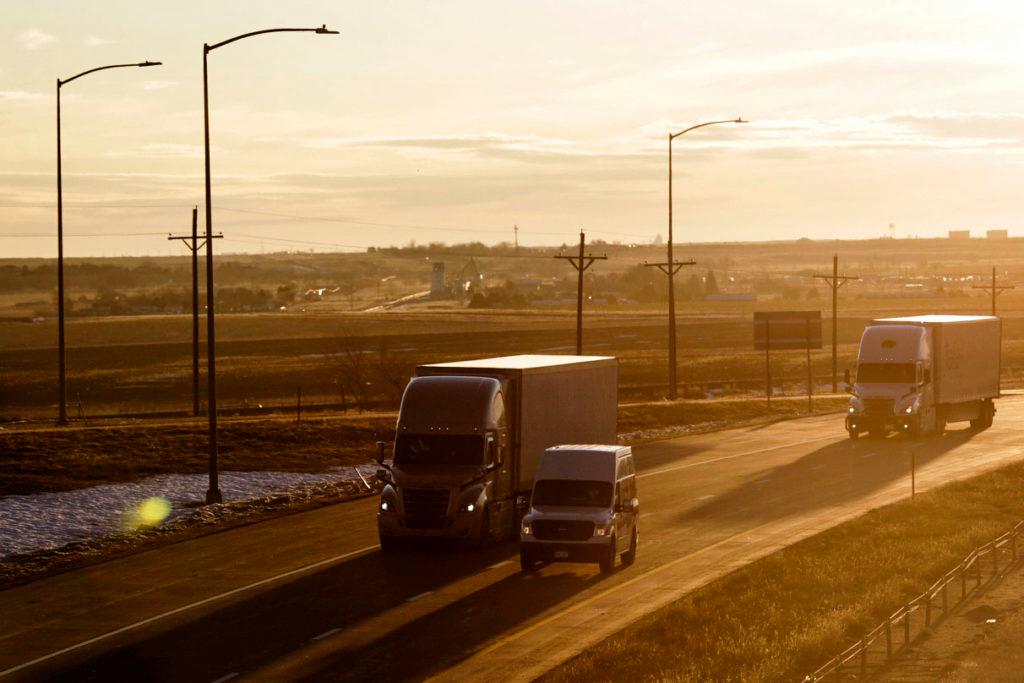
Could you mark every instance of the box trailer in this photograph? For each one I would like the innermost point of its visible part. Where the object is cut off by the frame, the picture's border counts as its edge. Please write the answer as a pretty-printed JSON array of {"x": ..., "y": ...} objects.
[
  {"x": 470, "y": 435},
  {"x": 916, "y": 374}
]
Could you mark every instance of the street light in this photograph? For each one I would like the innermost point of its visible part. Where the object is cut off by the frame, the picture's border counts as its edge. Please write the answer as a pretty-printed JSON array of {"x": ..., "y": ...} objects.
[
  {"x": 213, "y": 494},
  {"x": 63, "y": 416},
  {"x": 671, "y": 268}
]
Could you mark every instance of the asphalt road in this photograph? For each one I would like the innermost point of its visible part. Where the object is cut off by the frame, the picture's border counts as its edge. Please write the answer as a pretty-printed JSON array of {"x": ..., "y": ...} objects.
[{"x": 310, "y": 596}]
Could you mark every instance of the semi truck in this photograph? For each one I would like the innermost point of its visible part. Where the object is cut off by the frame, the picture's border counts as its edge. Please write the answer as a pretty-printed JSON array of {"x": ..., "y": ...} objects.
[
  {"x": 470, "y": 434},
  {"x": 916, "y": 374}
]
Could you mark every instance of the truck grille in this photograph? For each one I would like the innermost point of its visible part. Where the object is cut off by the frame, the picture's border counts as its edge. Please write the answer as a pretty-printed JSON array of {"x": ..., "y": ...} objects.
[
  {"x": 562, "y": 530},
  {"x": 878, "y": 407},
  {"x": 425, "y": 508}
]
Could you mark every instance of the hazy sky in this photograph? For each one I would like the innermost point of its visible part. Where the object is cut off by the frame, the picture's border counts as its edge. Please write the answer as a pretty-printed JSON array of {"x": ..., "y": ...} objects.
[{"x": 453, "y": 121}]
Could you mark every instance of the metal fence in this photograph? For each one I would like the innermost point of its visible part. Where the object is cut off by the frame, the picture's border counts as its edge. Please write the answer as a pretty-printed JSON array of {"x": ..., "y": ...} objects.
[{"x": 895, "y": 634}]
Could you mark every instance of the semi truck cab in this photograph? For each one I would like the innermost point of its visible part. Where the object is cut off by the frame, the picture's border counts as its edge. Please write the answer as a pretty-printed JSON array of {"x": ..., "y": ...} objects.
[{"x": 449, "y": 476}]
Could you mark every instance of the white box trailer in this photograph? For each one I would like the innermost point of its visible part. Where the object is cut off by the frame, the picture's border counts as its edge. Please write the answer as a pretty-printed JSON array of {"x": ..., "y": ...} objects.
[
  {"x": 470, "y": 435},
  {"x": 916, "y": 374}
]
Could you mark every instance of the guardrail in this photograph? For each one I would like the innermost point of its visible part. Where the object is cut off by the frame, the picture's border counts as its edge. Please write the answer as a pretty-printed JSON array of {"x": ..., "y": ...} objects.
[{"x": 868, "y": 654}]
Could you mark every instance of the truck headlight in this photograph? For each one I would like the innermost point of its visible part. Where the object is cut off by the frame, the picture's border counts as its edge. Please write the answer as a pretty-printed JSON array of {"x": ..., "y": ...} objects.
[
  {"x": 908, "y": 410},
  {"x": 467, "y": 507},
  {"x": 526, "y": 529},
  {"x": 850, "y": 409},
  {"x": 384, "y": 506}
]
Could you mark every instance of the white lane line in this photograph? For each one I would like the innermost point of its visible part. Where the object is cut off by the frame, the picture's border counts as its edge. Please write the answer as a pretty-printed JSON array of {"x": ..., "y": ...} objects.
[
  {"x": 869, "y": 454},
  {"x": 645, "y": 515},
  {"x": 421, "y": 595},
  {"x": 185, "y": 608},
  {"x": 688, "y": 465},
  {"x": 820, "y": 466},
  {"x": 226, "y": 678},
  {"x": 365, "y": 483},
  {"x": 325, "y": 634},
  {"x": 500, "y": 564},
  {"x": 707, "y": 497}
]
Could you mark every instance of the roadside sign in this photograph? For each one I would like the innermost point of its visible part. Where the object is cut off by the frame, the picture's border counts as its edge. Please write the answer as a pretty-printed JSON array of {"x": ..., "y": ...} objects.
[{"x": 787, "y": 330}]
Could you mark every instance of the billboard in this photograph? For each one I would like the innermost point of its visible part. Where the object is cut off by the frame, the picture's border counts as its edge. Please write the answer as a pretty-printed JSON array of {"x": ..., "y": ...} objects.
[{"x": 787, "y": 330}]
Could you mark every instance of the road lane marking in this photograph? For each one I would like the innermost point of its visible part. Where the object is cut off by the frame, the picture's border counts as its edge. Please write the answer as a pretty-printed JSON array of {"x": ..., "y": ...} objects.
[
  {"x": 688, "y": 465},
  {"x": 500, "y": 564},
  {"x": 325, "y": 634},
  {"x": 421, "y": 595},
  {"x": 222, "y": 679},
  {"x": 707, "y": 497},
  {"x": 185, "y": 608}
]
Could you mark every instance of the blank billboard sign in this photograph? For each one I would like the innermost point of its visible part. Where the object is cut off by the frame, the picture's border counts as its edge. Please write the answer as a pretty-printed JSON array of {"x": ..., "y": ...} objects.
[{"x": 787, "y": 330}]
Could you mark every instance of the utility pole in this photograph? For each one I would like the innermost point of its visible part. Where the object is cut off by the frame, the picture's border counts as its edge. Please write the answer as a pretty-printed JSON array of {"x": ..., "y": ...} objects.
[
  {"x": 194, "y": 247},
  {"x": 996, "y": 289},
  {"x": 580, "y": 263},
  {"x": 670, "y": 268},
  {"x": 515, "y": 231},
  {"x": 835, "y": 281}
]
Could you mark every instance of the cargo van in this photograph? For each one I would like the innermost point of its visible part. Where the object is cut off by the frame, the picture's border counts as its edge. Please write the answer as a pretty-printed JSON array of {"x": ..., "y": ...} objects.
[{"x": 584, "y": 508}]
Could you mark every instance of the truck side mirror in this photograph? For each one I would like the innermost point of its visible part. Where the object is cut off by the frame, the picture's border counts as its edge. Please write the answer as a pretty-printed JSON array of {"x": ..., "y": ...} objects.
[{"x": 380, "y": 452}]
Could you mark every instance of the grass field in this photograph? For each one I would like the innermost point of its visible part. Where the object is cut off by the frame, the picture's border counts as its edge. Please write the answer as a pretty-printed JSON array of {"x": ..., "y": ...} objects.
[{"x": 781, "y": 617}]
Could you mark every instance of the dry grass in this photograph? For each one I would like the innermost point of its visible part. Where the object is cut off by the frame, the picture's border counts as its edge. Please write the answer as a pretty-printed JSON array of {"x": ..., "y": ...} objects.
[{"x": 782, "y": 616}]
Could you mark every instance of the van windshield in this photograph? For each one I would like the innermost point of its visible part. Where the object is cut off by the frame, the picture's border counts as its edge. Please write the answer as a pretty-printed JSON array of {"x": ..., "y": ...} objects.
[
  {"x": 892, "y": 373},
  {"x": 439, "y": 449},
  {"x": 573, "y": 493}
]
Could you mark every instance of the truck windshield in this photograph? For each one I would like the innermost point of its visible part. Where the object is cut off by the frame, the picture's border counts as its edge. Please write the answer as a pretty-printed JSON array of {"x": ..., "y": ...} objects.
[
  {"x": 595, "y": 494},
  {"x": 894, "y": 373},
  {"x": 439, "y": 449}
]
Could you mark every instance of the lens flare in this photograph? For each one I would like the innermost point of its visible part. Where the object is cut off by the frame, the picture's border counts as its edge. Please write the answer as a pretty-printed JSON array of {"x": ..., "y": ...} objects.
[{"x": 148, "y": 513}]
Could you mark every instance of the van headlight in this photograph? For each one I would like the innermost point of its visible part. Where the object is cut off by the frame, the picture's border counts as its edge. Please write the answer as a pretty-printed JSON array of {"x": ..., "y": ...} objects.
[
  {"x": 603, "y": 530},
  {"x": 526, "y": 529}
]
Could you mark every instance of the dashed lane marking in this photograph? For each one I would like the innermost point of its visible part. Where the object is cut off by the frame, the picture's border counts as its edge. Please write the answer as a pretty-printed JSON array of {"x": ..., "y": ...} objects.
[
  {"x": 421, "y": 595},
  {"x": 327, "y": 634},
  {"x": 222, "y": 679}
]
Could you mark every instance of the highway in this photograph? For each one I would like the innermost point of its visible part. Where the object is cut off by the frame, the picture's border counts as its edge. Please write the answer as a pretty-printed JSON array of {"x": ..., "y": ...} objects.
[{"x": 310, "y": 596}]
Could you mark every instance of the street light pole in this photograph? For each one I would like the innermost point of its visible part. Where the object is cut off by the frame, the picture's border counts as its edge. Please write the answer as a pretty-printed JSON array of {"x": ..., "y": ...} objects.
[
  {"x": 213, "y": 494},
  {"x": 671, "y": 267},
  {"x": 62, "y": 417}
]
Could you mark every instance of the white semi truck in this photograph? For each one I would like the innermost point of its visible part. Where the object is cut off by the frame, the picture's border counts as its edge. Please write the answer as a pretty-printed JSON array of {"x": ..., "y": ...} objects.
[
  {"x": 470, "y": 435},
  {"x": 916, "y": 374}
]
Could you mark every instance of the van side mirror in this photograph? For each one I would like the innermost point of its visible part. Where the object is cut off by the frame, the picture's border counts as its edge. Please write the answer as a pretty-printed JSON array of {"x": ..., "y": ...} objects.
[{"x": 628, "y": 505}]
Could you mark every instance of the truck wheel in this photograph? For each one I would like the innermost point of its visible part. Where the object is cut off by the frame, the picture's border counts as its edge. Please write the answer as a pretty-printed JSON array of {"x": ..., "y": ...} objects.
[
  {"x": 854, "y": 434},
  {"x": 485, "y": 529},
  {"x": 607, "y": 562},
  {"x": 526, "y": 561},
  {"x": 984, "y": 421},
  {"x": 388, "y": 544},
  {"x": 629, "y": 557}
]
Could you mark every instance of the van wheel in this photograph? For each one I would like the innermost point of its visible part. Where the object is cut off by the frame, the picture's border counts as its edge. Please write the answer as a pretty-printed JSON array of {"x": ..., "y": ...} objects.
[
  {"x": 607, "y": 562},
  {"x": 629, "y": 557},
  {"x": 526, "y": 561}
]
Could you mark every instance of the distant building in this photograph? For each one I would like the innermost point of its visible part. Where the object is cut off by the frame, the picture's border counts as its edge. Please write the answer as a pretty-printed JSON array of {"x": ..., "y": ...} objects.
[
  {"x": 731, "y": 296},
  {"x": 998, "y": 234},
  {"x": 959, "y": 234}
]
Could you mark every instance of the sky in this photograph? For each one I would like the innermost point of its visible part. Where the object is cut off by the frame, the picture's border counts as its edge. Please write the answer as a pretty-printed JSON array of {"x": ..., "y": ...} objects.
[{"x": 455, "y": 120}]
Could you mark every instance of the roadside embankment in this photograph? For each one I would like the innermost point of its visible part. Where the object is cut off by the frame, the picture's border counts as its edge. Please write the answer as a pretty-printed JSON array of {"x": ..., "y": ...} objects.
[{"x": 781, "y": 617}]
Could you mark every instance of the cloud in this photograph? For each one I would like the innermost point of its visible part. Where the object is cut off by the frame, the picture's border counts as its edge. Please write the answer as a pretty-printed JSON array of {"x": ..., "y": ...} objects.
[
  {"x": 158, "y": 85},
  {"x": 33, "y": 39},
  {"x": 18, "y": 95},
  {"x": 96, "y": 41}
]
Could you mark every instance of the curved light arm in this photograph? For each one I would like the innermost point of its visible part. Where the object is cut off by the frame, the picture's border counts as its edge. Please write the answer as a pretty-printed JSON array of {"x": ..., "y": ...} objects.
[
  {"x": 738, "y": 119},
  {"x": 101, "y": 68},
  {"x": 323, "y": 30}
]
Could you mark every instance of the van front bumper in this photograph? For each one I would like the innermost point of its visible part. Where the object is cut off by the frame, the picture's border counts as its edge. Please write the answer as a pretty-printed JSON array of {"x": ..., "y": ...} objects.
[{"x": 565, "y": 551}]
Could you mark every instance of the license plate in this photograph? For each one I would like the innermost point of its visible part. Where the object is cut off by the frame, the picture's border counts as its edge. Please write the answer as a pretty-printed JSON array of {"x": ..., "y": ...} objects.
[{"x": 561, "y": 554}]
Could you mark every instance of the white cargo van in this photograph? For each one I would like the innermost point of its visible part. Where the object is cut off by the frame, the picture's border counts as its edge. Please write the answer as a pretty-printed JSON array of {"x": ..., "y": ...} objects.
[{"x": 584, "y": 507}]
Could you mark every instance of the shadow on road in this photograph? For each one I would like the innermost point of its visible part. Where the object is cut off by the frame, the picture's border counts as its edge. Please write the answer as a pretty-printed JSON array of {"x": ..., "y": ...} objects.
[
  {"x": 831, "y": 475},
  {"x": 266, "y": 626}
]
